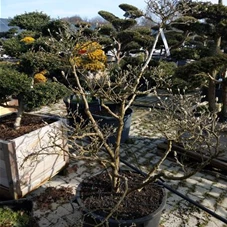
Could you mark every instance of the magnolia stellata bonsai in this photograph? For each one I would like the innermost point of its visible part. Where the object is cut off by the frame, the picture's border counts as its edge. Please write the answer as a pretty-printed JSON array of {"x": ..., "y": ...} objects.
[{"x": 121, "y": 86}]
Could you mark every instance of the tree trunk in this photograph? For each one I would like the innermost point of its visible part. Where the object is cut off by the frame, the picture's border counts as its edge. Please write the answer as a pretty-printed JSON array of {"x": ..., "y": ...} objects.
[
  {"x": 224, "y": 100},
  {"x": 218, "y": 45},
  {"x": 211, "y": 91},
  {"x": 19, "y": 114},
  {"x": 211, "y": 95},
  {"x": 116, "y": 180}
]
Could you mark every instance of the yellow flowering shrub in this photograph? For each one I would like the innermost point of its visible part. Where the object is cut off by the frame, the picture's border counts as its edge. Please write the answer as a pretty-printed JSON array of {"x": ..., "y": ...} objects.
[
  {"x": 44, "y": 72},
  {"x": 28, "y": 40},
  {"x": 89, "y": 56},
  {"x": 39, "y": 78}
]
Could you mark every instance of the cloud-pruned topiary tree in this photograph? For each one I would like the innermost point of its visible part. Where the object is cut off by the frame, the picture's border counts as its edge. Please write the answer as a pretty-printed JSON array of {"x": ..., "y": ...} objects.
[
  {"x": 211, "y": 26},
  {"x": 32, "y": 57}
]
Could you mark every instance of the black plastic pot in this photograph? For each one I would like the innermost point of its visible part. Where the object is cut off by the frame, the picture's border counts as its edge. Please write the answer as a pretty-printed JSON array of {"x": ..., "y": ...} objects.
[
  {"x": 23, "y": 205},
  {"x": 16, "y": 205},
  {"x": 111, "y": 121},
  {"x": 76, "y": 109},
  {"x": 151, "y": 220}
]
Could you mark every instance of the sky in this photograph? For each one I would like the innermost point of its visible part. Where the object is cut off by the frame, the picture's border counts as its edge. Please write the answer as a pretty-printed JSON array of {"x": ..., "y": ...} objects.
[
  {"x": 86, "y": 9},
  {"x": 65, "y": 8}
]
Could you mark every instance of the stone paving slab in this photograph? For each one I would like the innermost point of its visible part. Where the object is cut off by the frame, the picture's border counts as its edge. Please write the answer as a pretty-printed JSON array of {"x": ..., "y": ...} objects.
[{"x": 207, "y": 189}]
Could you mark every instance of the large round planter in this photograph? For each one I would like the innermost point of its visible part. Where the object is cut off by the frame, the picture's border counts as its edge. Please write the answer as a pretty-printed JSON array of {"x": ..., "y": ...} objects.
[
  {"x": 111, "y": 121},
  {"x": 90, "y": 218}
]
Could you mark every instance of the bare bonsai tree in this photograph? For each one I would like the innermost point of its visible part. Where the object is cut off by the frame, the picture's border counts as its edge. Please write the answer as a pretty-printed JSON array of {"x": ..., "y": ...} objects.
[
  {"x": 187, "y": 126},
  {"x": 120, "y": 86},
  {"x": 175, "y": 120}
]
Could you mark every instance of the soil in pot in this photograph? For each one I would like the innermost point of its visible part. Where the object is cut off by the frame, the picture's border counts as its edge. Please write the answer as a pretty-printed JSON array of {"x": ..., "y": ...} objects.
[
  {"x": 97, "y": 199},
  {"x": 29, "y": 123}
]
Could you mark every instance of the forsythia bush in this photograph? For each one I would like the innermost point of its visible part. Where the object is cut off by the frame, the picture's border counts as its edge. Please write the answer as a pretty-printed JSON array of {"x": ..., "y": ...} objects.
[
  {"x": 28, "y": 40},
  {"x": 90, "y": 56},
  {"x": 40, "y": 78}
]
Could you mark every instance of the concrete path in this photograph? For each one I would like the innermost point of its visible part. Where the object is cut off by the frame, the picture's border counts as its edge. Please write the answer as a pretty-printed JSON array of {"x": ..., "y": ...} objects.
[{"x": 205, "y": 187}]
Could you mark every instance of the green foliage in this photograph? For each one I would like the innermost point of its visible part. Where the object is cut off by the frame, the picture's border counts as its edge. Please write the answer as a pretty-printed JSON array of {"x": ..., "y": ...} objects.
[
  {"x": 13, "y": 47},
  {"x": 118, "y": 23},
  {"x": 107, "y": 30},
  {"x": 203, "y": 28},
  {"x": 122, "y": 24},
  {"x": 143, "y": 37},
  {"x": 185, "y": 53},
  {"x": 131, "y": 47},
  {"x": 128, "y": 36},
  {"x": 107, "y": 16},
  {"x": 214, "y": 17},
  {"x": 41, "y": 43},
  {"x": 13, "y": 83},
  {"x": 131, "y": 11},
  {"x": 28, "y": 33},
  {"x": 56, "y": 28},
  {"x": 173, "y": 38},
  {"x": 161, "y": 72},
  {"x": 9, "y": 34},
  {"x": 19, "y": 85},
  {"x": 10, "y": 218},
  {"x": 196, "y": 73},
  {"x": 44, "y": 94},
  {"x": 122, "y": 37},
  {"x": 215, "y": 12},
  {"x": 132, "y": 60},
  {"x": 168, "y": 68},
  {"x": 184, "y": 23},
  {"x": 33, "y": 21},
  {"x": 143, "y": 30},
  {"x": 106, "y": 42},
  {"x": 33, "y": 62}
]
